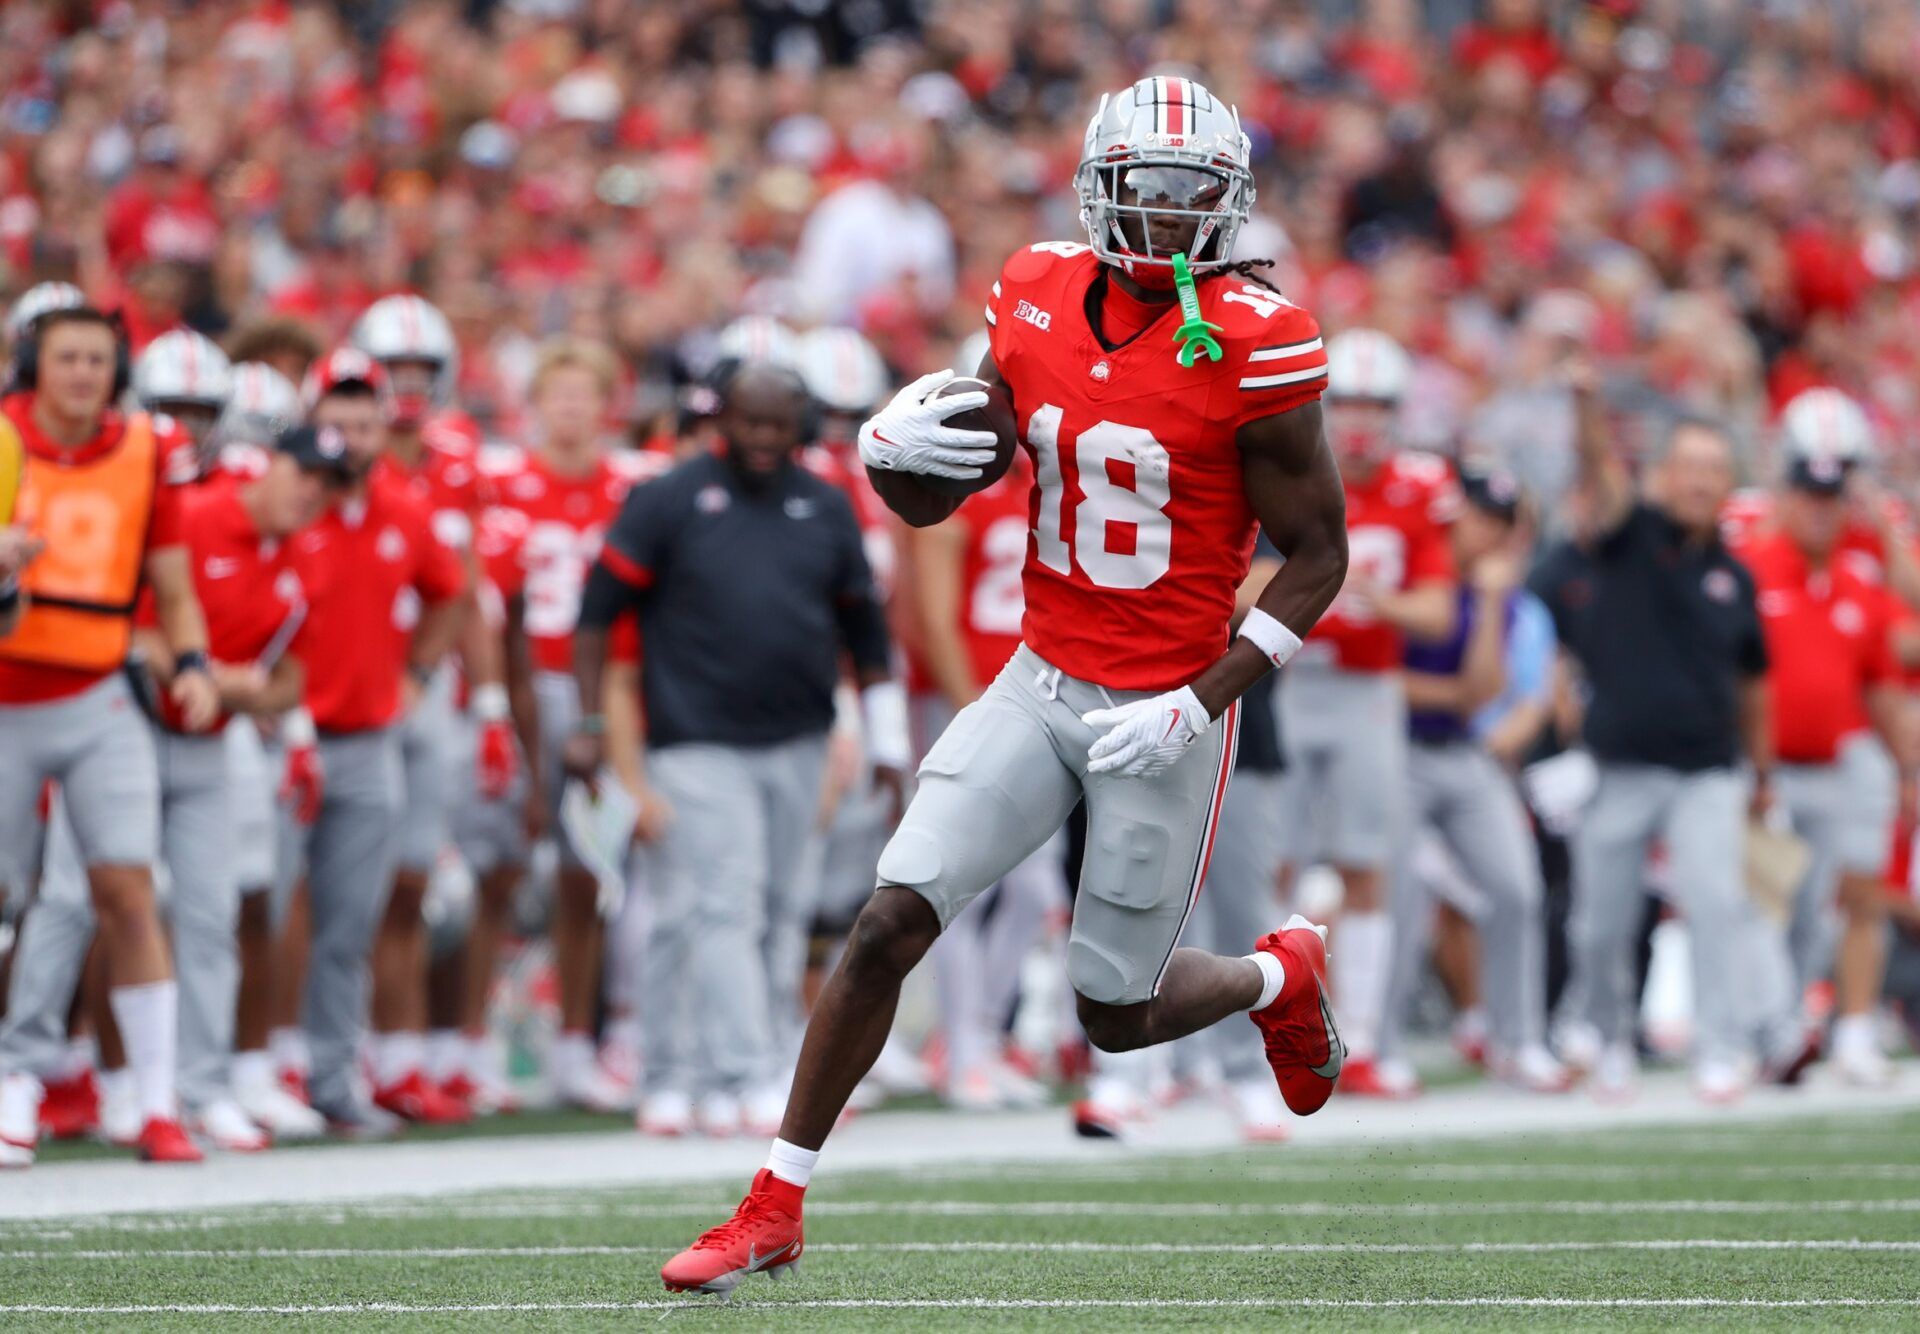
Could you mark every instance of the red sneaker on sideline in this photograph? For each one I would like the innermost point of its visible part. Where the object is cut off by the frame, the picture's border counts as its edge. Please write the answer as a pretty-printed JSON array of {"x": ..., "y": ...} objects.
[
  {"x": 763, "y": 1236},
  {"x": 1303, "y": 1045},
  {"x": 70, "y": 1108},
  {"x": 163, "y": 1141},
  {"x": 414, "y": 1099}
]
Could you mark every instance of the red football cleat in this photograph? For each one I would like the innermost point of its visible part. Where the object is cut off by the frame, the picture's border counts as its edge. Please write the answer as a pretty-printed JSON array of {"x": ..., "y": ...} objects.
[
  {"x": 762, "y": 1236},
  {"x": 163, "y": 1141},
  {"x": 414, "y": 1099},
  {"x": 70, "y": 1108},
  {"x": 1303, "y": 1046}
]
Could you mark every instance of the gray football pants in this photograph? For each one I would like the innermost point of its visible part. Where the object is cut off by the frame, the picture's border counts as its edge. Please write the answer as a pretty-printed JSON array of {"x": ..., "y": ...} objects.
[
  {"x": 1240, "y": 901},
  {"x": 1460, "y": 793},
  {"x": 349, "y": 853},
  {"x": 1844, "y": 811},
  {"x": 732, "y": 907},
  {"x": 199, "y": 895},
  {"x": 1739, "y": 960}
]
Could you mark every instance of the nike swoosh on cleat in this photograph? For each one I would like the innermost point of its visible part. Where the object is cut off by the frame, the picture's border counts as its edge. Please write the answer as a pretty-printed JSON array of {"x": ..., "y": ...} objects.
[
  {"x": 1336, "y": 1049},
  {"x": 757, "y": 1262}
]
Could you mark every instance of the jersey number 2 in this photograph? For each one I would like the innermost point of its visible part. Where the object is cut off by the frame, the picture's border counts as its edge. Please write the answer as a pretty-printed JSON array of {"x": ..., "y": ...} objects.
[{"x": 1122, "y": 537}]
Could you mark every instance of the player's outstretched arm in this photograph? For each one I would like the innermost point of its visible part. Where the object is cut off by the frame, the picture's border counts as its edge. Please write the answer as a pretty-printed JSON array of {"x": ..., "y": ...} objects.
[{"x": 1294, "y": 488}]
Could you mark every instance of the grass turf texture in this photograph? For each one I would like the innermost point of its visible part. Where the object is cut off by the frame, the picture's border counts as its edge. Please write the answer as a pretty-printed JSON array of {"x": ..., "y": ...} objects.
[{"x": 1820, "y": 1212}]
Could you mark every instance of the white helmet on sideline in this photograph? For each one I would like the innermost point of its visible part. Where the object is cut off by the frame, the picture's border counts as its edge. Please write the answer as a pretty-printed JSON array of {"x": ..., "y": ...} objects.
[
  {"x": 1826, "y": 424},
  {"x": 1367, "y": 364},
  {"x": 843, "y": 371},
  {"x": 410, "y": 328},
  {"x": 263, "y": 404}
]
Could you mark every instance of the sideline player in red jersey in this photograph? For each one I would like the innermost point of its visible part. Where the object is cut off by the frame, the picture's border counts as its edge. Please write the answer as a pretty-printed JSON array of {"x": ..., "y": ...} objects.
[
  {"x": 1166, "y": 418},
  {"x": 377, "y": 579},
  {"x": 433, "y": 452},
  {"x": 1343, "y": 706},
  {"x": 552, "y": 505}
]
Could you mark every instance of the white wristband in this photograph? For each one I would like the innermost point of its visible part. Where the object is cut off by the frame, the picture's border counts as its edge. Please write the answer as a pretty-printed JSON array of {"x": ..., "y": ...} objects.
[
  {"x": 296, "y": 729},
  {"x": 490, "y": 703},
  {"x": 1270, "y": 637},
  {"x": 889, "y": 739}
]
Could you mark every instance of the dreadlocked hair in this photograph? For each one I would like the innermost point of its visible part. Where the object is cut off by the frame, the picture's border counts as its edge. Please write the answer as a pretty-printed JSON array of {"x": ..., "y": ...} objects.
[{"x": 1248, "y": 269}]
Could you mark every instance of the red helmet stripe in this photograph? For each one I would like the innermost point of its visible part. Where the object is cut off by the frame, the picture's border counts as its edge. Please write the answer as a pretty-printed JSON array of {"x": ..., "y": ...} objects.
[{"x": 1176, "y": 94}]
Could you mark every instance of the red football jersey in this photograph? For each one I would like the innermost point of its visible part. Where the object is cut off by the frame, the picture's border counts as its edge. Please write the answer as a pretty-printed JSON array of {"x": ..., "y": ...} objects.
[
  {"x": 1141, "y": 527},
  {"x": 1397, "y": 537},
  {"x": 546, "y": 553},
  {"x": 249, "y": 591},
  {"x": 1828, "y": 640},
  {"x": 992, "y": 604},
  {"x": 447, "y": 480},
  {"x": 367, "y": 566}
]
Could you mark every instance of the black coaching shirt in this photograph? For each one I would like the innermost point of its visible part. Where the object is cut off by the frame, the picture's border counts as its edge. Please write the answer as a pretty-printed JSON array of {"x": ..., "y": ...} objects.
[
  {"x": 743, "y": 593},
  {"x": 1666, "y": 630}
]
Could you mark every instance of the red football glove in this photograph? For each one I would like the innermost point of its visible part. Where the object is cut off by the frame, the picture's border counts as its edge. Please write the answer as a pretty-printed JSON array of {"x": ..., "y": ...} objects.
[
  {"x": 498, "y": 761},
  {"x": 304, "y": 783}
]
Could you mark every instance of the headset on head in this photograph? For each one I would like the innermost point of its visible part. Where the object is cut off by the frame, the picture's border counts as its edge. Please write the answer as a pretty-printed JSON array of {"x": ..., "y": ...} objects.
[
  {"x": 728, "y": 369},
  {"x": 26, "y": 352}
]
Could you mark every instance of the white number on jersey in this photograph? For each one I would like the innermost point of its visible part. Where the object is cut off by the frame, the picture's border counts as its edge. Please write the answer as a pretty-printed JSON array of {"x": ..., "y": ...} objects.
[
  {"x": 1263, "y": 302},
  {"x": 1122, "y": 535},
  {"x": 1064, "y": 249},
  {"x": 557, "y": 558},
  {"x": 998, "y": 602}
]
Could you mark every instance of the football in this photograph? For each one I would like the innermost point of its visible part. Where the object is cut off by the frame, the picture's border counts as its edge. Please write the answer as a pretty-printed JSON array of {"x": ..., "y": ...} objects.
[{"x": 996, "y": 416}]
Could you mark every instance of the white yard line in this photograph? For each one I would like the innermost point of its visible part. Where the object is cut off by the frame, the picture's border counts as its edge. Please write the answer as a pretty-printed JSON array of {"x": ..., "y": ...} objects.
[
  {"x": 981, "y": 1304},
  {"x": 983, "y": 1247},
  {"x": 904, "y": 1141}
]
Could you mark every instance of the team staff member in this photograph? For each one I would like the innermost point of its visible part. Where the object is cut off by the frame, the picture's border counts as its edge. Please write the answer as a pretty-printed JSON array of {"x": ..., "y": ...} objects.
[
  {"x": 1461, "y": 794},
  {"x": 1342, "y": 709},
  {"x": 95, "y": 491},
  {"x": 1663, "y": 621},
  {"x": 432, "y": 454},
  {"x": 749, "y": 578},
  {"x": 379, "y": 581},
  {"x": 1834, "y": 685}
]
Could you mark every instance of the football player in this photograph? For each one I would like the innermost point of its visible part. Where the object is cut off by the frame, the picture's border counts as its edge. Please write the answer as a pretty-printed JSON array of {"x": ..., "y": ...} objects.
[
  {"x": 432, "y": 452},
  {"x": 1170, "y": 403},
  {"x": 1343, "y": 712},
  {"x": 187, "y": 377}
]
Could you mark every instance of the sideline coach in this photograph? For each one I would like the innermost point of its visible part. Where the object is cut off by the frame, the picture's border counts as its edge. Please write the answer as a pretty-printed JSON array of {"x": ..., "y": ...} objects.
[
  {"x": 749, "y": 577},
  {"x": 1664, "y": 622}
]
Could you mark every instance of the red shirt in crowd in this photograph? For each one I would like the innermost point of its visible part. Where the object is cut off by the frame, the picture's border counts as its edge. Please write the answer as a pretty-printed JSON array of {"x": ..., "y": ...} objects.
[
  {"x": 1828, "y": 641},
  {"x": 1396, "y": 538},
  {"x": 368, "y": 566},
  {"x": 40, "y": 683}
]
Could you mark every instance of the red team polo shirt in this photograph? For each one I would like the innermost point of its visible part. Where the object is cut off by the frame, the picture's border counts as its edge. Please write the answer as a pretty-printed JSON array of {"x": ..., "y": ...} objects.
[
  {"x": 1141, "y": 527},
  {"x": 249, "y": 591},
  {"x": 1827, "y": 641},
  {"x": 368, "y": 565},
  {"x": 1397, "y": 537},
  {"x": 40, "y": 683}
]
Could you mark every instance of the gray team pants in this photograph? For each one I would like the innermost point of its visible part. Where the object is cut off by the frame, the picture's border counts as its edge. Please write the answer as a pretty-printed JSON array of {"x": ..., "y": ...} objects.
[
  {"x": 1463, "y": 796},
  {"x": 729, "y": 902},
  {"x": 349, "y": 853},
  {"x": 1344, "y": 796},
  {"x": 1240, "y": 901},
  {"x": 1844, "y": 811},
  {"x": 1701, "y": 817},
  {"x": 427, "y": 744}
]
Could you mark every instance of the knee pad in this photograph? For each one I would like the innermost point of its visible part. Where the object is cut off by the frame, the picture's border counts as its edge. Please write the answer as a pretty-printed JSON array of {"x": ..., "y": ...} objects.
[{"x": 1102, "y": 976}]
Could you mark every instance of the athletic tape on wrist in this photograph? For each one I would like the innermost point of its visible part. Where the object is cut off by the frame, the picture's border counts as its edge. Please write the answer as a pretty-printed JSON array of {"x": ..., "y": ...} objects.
[
  {"x": 490, "y": 702},
  {"x": 889, "y": 738},
  {"x": 297, "y": 729},
  {"x": 1270, "y": 637}
]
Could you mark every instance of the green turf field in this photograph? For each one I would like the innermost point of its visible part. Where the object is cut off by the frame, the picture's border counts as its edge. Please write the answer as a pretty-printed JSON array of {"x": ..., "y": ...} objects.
[{"x": 1808, "y": 1224}]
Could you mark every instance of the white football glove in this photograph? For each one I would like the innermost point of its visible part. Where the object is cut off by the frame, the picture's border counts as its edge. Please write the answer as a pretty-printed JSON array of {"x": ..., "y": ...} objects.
[
  {"x": 910, "y": 434},
  {"x": 1146, "y": 737}
]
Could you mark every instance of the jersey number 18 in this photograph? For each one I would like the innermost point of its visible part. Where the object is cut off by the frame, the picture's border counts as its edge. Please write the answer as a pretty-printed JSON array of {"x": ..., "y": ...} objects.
[{"x": 1122, "y": 537}]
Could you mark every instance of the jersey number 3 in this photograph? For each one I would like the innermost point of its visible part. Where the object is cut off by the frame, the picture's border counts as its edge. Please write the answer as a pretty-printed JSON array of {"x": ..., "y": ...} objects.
[{"x": 1122, "y": 537}]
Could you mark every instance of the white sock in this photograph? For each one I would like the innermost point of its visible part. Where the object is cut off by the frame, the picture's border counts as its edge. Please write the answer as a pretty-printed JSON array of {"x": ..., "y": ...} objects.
[
  {"x": 1273, "y": 975},
  {"x": 289, "y": 1048},
  {"x": 1359, "y": 966},
  {"x": 571, "y": 1051},
  {"x": 252, "y": 1070},
  {"x": 397, "y": 1055},
  {"x": 791, "y": 1163},
  {"x": 149, "y": 1019},
  {"x": 446, "y": 1054},
  {"x": 1856, "y": 1032}
]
